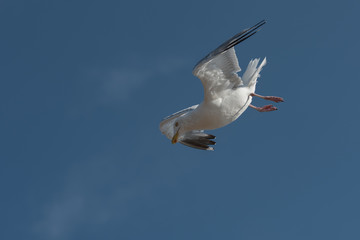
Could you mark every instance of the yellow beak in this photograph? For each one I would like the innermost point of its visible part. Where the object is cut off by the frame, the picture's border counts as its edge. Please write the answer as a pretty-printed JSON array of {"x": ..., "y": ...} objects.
[{"x": 175, "y": 137}]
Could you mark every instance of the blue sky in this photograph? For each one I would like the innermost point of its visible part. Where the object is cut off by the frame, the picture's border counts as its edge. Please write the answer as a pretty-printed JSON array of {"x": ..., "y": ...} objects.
[{"x": 84, "y": 85}]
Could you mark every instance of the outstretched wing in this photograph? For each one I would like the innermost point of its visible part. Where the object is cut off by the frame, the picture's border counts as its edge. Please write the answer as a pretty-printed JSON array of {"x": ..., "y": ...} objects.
[{"x": 218, "y": 70}]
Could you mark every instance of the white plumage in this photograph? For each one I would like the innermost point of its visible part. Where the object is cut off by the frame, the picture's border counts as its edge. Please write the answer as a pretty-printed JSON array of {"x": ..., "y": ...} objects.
[{"x": 226, "y": 95}]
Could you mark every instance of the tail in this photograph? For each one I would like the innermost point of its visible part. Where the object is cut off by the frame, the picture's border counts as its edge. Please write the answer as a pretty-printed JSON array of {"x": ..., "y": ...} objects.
[{"x": 252, "y": 72}]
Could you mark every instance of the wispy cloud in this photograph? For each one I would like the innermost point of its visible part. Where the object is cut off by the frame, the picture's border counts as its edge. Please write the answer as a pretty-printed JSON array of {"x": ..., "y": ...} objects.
[
  {"x": 60, "y": 216},
  {"x": 120, "y": 84},
  {"x": 96, "y": 193},
  {"x": 116, "y": 85},
  {"x": 86, "y": 200}
]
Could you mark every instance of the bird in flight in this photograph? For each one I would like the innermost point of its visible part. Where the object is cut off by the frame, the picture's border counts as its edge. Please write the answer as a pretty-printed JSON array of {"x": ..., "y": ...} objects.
[{"x": 226, "y": 95}]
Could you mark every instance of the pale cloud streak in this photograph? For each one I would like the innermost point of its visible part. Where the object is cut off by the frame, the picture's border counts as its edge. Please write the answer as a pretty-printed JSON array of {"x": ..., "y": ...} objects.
[
  {"x": 60, "y": 216},
  {"x": 119, "y": 85},
  {"x": 97, "y": 192},
  {"x": 104, "y": 86}
]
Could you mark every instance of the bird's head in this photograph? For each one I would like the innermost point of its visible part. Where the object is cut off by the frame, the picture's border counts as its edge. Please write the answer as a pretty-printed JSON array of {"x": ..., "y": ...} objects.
[{"x": 177, "y": 127}]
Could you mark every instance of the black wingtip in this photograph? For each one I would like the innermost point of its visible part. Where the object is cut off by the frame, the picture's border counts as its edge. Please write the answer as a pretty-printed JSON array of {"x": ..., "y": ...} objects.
[
  {"x": 238, "y": 38},
  {"x": 198, "y": 140},
  {"x": 262, "y": 22},
  {"x": 242, "y": 36},
  {"x": 258, "y": 25}
]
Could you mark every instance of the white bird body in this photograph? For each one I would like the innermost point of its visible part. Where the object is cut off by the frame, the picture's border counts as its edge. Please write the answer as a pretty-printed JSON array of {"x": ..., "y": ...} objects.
[
  {"x": 220, "y": 111},
  {"x": 226, "y": 95}
]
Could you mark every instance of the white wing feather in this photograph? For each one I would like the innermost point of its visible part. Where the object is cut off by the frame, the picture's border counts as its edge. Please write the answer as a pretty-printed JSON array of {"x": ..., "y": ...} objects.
[
  {"x": 219, "y": 73},
  {"x": 218, "y": 70}
]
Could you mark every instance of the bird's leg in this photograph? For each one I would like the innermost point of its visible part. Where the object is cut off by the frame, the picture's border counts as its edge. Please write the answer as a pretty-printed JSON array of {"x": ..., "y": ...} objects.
[
  {"x": 266, "y": 108},
  {"x": 270, "y": 98}
]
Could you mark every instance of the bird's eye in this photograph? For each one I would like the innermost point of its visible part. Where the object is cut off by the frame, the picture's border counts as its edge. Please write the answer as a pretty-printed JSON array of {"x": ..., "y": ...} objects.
[{"x": 176, "y": 124}]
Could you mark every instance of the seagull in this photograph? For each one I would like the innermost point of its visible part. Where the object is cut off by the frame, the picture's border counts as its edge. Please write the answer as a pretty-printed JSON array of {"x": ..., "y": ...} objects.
[{"x": 226, "y": 95}]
